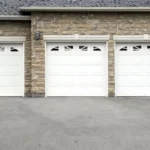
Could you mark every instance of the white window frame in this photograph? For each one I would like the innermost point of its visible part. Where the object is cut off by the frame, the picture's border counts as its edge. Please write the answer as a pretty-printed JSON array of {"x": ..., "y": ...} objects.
[
  {"x": 17, "y": 40},
  {"x": 76, "y": 39},
  {"x": 128, "y": 39}
]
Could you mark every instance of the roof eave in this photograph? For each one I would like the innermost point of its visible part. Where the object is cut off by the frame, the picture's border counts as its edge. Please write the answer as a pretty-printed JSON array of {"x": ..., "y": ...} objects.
[
  {"x": 86, "y": 9},
  {"x": 14, "y": 17}
]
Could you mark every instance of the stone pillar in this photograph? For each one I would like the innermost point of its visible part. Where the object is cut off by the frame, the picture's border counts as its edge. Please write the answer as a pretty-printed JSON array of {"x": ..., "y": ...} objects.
[
  {"x": 111, "y": 68},
  {"x": 37, "y": 59}
]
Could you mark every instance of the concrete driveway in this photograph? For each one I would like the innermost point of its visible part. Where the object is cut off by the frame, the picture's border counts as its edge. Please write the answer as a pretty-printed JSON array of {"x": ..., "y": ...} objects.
[{"x": 75, "y": 123}]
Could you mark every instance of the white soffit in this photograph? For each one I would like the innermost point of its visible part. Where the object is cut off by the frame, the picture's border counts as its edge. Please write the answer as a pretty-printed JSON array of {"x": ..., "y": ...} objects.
[
  {"x": 12, "y": 39},
  {"x": 76, "y": 38},
  {"x": 132, "y": 38}
]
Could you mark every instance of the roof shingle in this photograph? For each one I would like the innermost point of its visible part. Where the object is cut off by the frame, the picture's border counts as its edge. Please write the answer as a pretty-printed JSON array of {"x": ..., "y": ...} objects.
[{"x": 12, "y": 7}]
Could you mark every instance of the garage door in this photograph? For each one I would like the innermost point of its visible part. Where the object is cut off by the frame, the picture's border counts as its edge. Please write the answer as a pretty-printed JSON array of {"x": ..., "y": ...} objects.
[
  {"x": 133, "y": 69},
  {"x": 76, "y": 69},
  {"x": 11, "y": 70}
]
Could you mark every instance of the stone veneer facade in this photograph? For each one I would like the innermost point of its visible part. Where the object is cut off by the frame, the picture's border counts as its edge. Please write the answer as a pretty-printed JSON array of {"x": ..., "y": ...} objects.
[
  {"x": 82, "y": 23},
  {"x": 69, "y": 24}
]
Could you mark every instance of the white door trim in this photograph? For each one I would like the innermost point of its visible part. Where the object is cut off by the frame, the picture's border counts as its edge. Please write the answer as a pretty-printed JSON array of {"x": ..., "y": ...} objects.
[
  {"x": 12, "y": 39},
  {"x": 23, "y": 69},
  {"x": 46, "y": 71},
  {"x": 131, "y": 38},
  {"x": 76, "y": 38},
  {"x": 115, "y": 49},
  {"x": 107, "y": 70}
]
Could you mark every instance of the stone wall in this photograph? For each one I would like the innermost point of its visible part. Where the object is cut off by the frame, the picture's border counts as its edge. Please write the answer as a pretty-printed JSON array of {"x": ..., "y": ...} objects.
[
  {"x": 82, "y": 23},
  {"x": 20, "y": 28}
]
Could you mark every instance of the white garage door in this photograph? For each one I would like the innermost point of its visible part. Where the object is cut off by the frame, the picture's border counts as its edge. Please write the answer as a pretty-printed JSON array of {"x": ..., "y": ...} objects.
[
  {"x": 11, "y": 70},
  {"x": 133, "y": 69},
  {"x": 76, "y": 69}
]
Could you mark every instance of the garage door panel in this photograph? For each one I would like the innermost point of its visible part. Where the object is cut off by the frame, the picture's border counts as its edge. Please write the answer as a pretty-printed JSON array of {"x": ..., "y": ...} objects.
[
  {"x": 147, "y": 81},
  {"x": 146, "y": 60},
  {"x": 62, "y": 91},
  {"x": 10, "y": 81},
  {"x": 76, "y": 91},
  {"x": 10, "y": 84},
  {"x": 64, "y": 84},
  {"x": 3, "y": 70},
  {"x": 12, "y": 61},
  {"x": 133, "y": 71},
  {"x": 130, "y": 60},
  {"x": 90, "y": 60},
  {"x": 81, "y": 81},
  {"x": 147, "y": 70},
  {"x": 3, "y": 61},
  {"x": 130, "y": 91},
  {"x": 11, "y": 70},
  {"x": 128, "y": 70},
  {"x": 84, "y": 91},
  {"x": 3, "y": 79},
  {"x": 90, "y": 81},
  {"x": 130, "y": 81},
  {"x": 62, "y": 81},
  {"x": 62, "y": 60},
  {"x": 76, "y": 60},
  {"x": 81, "y": 72},
  {"x": 62, "y": 70},
  {"x": 92, "y": 70},
  {"x": 11, "y": 73},
  {"x": 147, "y": 89},
  {"x": 91, "y": 84},
  {"x": 7, "y": 60},
  {"x": 76, "y": 70},
  {"x": 14, "y": 79},
  {"x": 14, "y": 70},
  {"x": 9, "y": 91}
]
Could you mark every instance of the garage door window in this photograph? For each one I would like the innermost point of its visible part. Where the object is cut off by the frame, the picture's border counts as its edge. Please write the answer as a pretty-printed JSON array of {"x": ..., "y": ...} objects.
[
  {"x": 68, "y": 48},
  {"x": 124, "y": 48},
  {"x": 137, "y": 48},
  {"x": 148, "y": 47},
  {"x": 2, "y": 49},
  {"x": 12, "y": 49},
  {"x": 96, "y": 49},
  {"x": 83, "y": 48},
  {"x": 55, "y": 48}
]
